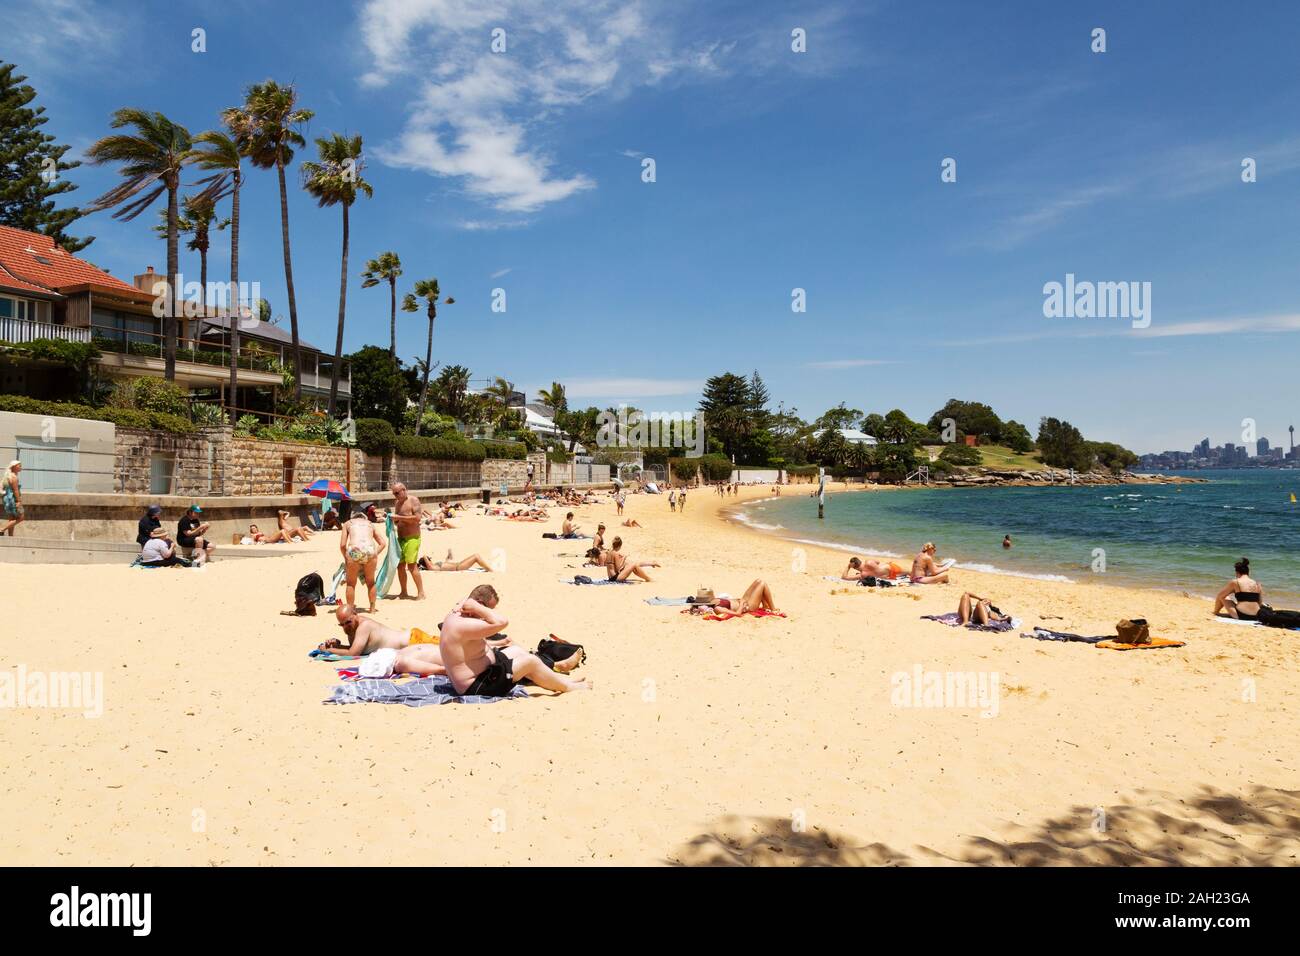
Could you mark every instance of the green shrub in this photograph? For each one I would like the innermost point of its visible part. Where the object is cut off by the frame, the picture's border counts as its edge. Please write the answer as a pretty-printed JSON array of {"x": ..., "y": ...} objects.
[
  {"x": 126, "y": 417},
  {"x": 247, "y": 426},
  {"x": 513, "y": 450},
  {"x": 76, "y": 355},
  {"x": 151, "y": 395},
  {"x": 715, "y": 467},
  {"x": 961, "y": 455},
  {"x": 207, "y": 415},
  {"x": 375, "y": 436},
  {"x": 438, "y": 449},
  {"x": 684, "y": 469}
]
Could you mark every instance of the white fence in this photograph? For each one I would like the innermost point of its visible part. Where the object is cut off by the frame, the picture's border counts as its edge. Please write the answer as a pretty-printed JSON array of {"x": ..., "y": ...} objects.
[{"x": 24, "y": 330}]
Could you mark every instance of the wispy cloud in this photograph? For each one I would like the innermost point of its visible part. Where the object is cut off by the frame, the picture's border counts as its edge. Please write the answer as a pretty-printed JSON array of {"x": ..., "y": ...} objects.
[
  {"x": 52, "y": 33},
  {"x": 499, "y": 273},
  {"x": 1262, "y": 325},
  {"x": 491, "y": 225}
]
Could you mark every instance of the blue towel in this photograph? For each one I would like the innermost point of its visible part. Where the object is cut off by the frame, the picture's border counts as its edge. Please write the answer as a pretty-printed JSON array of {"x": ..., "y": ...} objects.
[{"x": 421, "y": 692}]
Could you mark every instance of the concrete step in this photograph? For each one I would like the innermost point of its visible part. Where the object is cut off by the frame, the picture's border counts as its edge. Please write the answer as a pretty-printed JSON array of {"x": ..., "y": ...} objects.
[{"x": 32, "y": 550}]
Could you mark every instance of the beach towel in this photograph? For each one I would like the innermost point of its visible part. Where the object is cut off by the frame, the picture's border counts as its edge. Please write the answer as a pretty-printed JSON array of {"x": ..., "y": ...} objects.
[
  {"x": 1044, "y": 634},
  {"x": 317, "y": 654},
  {"x": 421, "y": 692},
  {"x": 758, "y": 612},
  {"x": 951, "y": 619},
  {"x": 592, "y": 582},
  {"x": 668, "y": 602},
  {"x": 1155, "y": 642}
]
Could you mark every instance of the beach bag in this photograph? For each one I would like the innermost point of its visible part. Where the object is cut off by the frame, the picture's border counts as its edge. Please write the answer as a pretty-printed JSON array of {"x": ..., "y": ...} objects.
[
  {"x": 1279, "y": 618},
  {"x": 1135, "y": 631},
  {"x": 554, "y": 649},
  {"x": 309, "y": 592},
  {"x": 582, "y": 579}
]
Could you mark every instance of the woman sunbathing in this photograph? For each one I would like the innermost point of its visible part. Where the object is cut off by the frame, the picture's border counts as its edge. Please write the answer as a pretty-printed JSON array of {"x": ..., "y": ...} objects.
[
  {"x": 860, "y": 568},
  {"x": 974, "y": 609},
  {"x": 757, "y": 597},
  {"x": 292, "y": 532},
  {"x": 451, "y": 564},
  {"x": 1242, "y": 597},
  {"x": 259, "y": 538}
]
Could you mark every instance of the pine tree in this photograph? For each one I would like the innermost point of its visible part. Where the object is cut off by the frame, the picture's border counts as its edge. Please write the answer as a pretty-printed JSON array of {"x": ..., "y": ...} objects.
[{"x": 32, "y": 166}]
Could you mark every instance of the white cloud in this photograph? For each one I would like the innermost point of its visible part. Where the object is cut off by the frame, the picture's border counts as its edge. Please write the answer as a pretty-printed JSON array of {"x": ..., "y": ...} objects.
[
  {"x": 479, "y": 117},
  {"x": 499, "y": 273}
]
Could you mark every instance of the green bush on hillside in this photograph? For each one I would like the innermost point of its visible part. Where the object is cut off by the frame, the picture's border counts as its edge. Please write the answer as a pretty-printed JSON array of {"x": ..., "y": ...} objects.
[
  {"x": 961, "y": 455},
  {"x": 438, "y": 449},
  {"x": 375, "y": 436},
  {"x": 125, "y": 417}
]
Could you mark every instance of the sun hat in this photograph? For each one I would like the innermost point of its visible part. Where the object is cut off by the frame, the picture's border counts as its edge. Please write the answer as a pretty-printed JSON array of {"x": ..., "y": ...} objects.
[{"x": 705, "y": 596}]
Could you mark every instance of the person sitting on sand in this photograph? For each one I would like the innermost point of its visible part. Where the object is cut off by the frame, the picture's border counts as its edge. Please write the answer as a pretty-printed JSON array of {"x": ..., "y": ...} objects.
[
  {"x": 757, "y": 597},
  {"x": 190, "y": 536},
  {"x": 367, "y": 635},
  {"x": 451, "y": 564},
  {"x": 569, "y": 529},
  {"x": 860, "y": 568},
  {"x": 618, "y": 565},
  {"x": 361, "y": 545},
  {"x": 292, "y": 532},
  {"x": 1242, "y": 597},
  {"x": 159, "y": 553},
  {"x": 479, "y": 663},
  {"x": 330, "y": 521},
  {"x": 599, "y": 541},
  {"x": 924, "y": 568},
  {"x": 973, "y": 608}
]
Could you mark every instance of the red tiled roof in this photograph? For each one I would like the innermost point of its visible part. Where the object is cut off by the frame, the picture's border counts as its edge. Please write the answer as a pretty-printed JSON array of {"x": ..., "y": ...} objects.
[{"x": 18, "y": 262}]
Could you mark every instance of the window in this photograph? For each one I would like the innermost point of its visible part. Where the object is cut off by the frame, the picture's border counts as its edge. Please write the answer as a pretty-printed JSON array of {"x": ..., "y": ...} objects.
[{"x": 7, "y": 307}]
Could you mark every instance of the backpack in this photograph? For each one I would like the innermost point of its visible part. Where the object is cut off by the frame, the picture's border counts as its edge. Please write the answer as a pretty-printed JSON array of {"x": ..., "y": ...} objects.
[
  {"x": 309, "y": 592},
  {"x": 554, "y": 649}
]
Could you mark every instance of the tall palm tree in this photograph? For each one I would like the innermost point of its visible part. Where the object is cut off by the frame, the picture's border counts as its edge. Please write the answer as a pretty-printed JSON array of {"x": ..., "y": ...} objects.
[
  {"x": 387, "y": 268},
  {"x": 152, "y": 157},
  {"x": 336, "y": 181},
  {"x": 554, "y": 397},
  {"x": 426, "y": 289},
  {"x": 273, "y": 119},
  {"x": 498, "y": 394},
  {"x": 198, "y": 217},
  {"x": 221, "y": 154}
]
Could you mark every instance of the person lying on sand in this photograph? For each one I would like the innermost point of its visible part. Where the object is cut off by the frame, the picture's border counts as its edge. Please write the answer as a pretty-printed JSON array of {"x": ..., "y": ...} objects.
[
  {"x": 974, "y": 608},
  {"x": 451, "y": 564},
  {"x": 292, "y": 532},
  {"x": 632, "y": 523},
  {"x": 367, "y": 635},
  {"x": 477, "y": 662},
  {"x": 437, "y": 521},
  {"x": 859, "y": 568},
  {"x": 360, "y": 545},
  {"x": 1242, "y": 597},
  {"x": 757, "y": 597},
  {"x": 924, "y": 568},
  {"x": 255, "y": 536}
]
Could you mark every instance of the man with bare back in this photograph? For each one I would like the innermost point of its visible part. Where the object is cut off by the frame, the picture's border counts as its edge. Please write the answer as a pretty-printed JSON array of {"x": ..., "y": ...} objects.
[
  {"x": 406, "y": 517},
  {"x": 477, "y": 661},
  {"x": 365, "y": 635}
]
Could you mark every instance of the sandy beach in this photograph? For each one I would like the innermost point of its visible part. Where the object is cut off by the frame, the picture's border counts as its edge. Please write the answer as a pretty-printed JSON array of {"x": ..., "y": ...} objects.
[{"x": 759, "y": 741}]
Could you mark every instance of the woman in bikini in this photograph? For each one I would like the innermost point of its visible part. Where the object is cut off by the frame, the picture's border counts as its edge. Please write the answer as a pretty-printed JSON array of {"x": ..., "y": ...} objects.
[
  {"x": 451, "y": 564},
  {"x": 1242, "y": 597},
  {"x": 620, "y": 567},
  {"x": 361, "y": 547},
  {"x": 259, "y": 538},
  {"x": 757, "y": 597},
  {"x": 292, "y": 532}
]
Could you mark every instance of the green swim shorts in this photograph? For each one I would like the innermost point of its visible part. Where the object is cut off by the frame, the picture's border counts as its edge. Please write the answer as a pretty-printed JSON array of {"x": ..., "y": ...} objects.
[{"x": 410, "y": 548}]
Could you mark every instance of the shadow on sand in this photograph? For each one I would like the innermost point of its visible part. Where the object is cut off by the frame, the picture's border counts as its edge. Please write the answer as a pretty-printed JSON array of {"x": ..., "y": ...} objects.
[{"x": 1208, "y": 828}]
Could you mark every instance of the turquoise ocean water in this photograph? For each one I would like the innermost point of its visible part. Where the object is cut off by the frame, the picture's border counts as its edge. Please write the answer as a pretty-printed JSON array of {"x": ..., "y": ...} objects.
[{"x": 1182, "y": 537}]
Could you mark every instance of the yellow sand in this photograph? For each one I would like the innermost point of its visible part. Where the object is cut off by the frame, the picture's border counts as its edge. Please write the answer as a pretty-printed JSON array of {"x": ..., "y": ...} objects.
[{"x": 759, "y": 741}]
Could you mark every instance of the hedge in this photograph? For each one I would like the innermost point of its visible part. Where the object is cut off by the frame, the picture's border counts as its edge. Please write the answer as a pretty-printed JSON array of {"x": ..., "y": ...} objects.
[
  {"x": 684, "y": 469},
  {"x": 438, "y": 449},
  {"x": 126, "y": 417},
  {"x": 504, "y": 449},
  {"x": 716, "y": 467}
]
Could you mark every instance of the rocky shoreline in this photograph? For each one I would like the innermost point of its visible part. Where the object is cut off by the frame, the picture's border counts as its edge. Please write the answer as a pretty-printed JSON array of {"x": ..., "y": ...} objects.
[{"x": 995, "y": 477}]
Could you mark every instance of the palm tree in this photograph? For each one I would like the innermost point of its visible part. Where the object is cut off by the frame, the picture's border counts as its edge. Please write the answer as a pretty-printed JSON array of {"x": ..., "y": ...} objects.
[
  {"x": 554, "y": 397},
  {"x": 387, "y": 268},
  {"x": 273, "y": 118},
  {"x": 426, "y": 289},
  {"x": 151, "y": 157},
  {"x": 451, "y": 391},
  {"x": 221, "y": 153},
  {"x": 197, "y": 219},
  {"x": 336, "y": 181}
]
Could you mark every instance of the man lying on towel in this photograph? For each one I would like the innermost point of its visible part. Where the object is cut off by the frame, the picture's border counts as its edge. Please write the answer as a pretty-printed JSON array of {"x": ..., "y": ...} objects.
[
  {"x": 477, "y": 661},
  {"x": 366, "y": 635}
]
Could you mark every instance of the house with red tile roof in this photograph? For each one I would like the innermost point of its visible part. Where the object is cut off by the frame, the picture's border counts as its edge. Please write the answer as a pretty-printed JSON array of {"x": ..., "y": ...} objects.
[{"x": 48, "y": 293}]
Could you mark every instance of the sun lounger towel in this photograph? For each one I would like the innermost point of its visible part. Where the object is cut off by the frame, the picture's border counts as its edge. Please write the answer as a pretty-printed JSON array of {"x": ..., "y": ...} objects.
[
  {"x": 421, "y": 692},
  {"x": 758, "y": 612},
  {"x": 668, "y": 602},
  {"x": 1155, "y": 642},
  {"x": 952, "y": 620},
  {"x": 1044, "y": 634},
  {"x": 320, "y": 655},
  {"x": 597, "y": 581}
]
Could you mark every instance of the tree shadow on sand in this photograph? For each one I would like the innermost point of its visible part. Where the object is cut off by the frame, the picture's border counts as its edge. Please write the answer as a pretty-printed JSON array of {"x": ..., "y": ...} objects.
[{"x": 1209, "y": 828}]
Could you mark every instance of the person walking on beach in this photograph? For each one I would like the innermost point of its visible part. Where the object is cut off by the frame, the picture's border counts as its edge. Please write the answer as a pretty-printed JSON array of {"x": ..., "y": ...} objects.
[
  {"x": 406, "y": 517},
  {"x": 360, "y": 545},
  {"x": 13, "y": 498},
  {"x": 672, "y": 499},
  {"x": 681, "y": 501}
]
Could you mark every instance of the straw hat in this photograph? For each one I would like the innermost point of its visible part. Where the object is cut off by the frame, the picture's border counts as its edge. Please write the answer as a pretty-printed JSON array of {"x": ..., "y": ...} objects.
[{"x": 705, "y": 596}]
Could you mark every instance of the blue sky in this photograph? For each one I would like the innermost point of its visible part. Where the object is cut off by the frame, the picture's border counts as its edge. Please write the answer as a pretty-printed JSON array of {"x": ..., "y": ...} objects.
[{"x": 775, "y": 170}]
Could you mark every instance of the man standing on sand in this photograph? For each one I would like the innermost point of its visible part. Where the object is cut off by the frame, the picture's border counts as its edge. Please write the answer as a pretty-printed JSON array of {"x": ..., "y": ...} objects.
[
  {"x": 406, "y": 518},
  {"x": 475, "y": 659}
]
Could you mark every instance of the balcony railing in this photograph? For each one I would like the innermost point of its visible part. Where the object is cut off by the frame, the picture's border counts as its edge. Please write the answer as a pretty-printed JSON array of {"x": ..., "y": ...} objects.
[{"x": 26, "y": 330}]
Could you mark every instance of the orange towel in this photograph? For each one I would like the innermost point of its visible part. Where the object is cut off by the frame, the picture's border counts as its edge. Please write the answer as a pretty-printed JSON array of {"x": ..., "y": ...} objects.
[
  {"x": 419, "y": 637},
  {"x": 1155, "y": 642}
]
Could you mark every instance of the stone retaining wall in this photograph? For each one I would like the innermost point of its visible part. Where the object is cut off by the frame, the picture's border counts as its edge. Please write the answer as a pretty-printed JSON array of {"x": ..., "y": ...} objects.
[
  {"x": 498, "y": 471},
  {"x": 154, "y": 462},
  {"x": 257, "y": 467}
]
